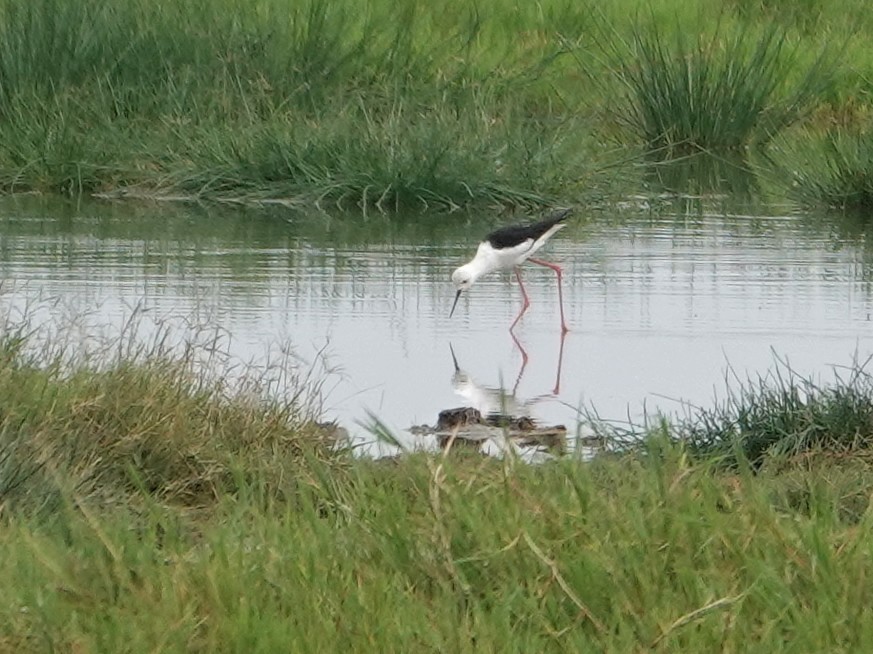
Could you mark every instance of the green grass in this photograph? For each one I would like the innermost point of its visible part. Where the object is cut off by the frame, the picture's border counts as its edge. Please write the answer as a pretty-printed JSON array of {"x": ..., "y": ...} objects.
[
  {"x": 720, "y": 91},
  {"x": 459, "y": 555},
  {"x": 377, "y": 106},
  {"x": 772, "y": 418},
  {"x": 301, "y": 101},
  {"x": 147, "y": 504},
  {"x": 833, "y": 172},
  {"x": 150, "y": 420}
]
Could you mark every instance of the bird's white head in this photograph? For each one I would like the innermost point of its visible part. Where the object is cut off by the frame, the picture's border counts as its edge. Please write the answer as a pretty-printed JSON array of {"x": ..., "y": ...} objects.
[{"x": 463, "y": 278}]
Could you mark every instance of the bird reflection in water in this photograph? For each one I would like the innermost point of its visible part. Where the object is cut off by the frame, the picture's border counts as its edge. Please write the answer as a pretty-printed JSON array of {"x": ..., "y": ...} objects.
[{"x": 497, "y": 400}]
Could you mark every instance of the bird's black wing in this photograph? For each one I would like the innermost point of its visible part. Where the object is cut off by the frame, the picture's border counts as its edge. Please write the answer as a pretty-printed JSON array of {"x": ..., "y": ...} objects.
[{"x": 508, "y": 237}]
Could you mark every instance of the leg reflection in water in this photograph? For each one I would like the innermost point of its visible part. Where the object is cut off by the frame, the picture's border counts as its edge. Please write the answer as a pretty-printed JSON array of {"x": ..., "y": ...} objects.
[{"x": 491, "y": 400}]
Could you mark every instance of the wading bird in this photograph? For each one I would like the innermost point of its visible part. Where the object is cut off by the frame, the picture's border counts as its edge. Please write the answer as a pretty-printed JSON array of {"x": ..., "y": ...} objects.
[{"x": 506, "y": 249}]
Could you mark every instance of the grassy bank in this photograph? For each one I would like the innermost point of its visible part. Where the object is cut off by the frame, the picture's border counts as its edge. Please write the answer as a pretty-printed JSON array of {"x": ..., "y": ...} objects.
[
  {"x": 183, "y": 426},
  {"x": 429, "y": 105},
  {"x": 147, "y": 506},
  {"x": 427, "y": 555}
]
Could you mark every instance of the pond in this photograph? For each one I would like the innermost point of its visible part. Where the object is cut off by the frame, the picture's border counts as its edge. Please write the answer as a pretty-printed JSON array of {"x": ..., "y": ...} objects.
[{"x": 663, "y": 305}]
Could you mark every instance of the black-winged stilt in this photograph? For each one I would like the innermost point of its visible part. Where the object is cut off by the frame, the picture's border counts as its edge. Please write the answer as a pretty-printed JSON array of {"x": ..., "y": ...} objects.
[{"x": 507, "y": 248}]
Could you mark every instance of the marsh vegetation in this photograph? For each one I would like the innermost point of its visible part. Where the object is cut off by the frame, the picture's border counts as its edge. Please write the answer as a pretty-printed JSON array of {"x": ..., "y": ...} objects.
[{"x": 434, "y": 105}]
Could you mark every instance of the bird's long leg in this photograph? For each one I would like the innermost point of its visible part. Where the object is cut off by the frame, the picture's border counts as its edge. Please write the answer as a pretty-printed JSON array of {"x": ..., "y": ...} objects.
[
  {"x": 526, "y": 301},
  {"x": 557, "y": 388},
  {"x": 560, "y": 275}
]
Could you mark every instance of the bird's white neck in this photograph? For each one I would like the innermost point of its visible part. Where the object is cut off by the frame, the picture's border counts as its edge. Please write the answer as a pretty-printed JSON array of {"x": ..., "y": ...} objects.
[{"x": 483, "y": 263}]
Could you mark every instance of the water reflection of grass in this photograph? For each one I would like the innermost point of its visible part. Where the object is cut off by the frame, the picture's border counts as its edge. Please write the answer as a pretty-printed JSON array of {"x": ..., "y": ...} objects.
[
  {"x": 146, "y": 507},
  {"x": 702, "y": 179}
]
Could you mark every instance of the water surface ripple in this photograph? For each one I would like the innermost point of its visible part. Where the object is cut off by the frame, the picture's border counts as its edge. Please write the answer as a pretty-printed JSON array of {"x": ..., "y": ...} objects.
[{"x": 659, "y": 307}]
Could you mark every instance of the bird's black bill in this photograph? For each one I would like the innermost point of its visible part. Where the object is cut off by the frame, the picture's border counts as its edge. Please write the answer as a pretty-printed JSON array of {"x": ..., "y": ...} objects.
[{"x": 457, "y": 297}]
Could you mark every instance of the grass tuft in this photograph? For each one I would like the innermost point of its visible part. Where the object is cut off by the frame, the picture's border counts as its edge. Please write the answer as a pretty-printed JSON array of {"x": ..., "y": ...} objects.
[
  {"x": 722, "y": 91},
  {"x": 775, "y": 417},
  {"x": 149, "y": 422},
  {"x": 835, "y": 172}
]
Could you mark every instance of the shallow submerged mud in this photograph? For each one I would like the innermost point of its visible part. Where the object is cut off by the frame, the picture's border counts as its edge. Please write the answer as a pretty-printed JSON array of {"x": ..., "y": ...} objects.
[{"x": 467, "y": 427}]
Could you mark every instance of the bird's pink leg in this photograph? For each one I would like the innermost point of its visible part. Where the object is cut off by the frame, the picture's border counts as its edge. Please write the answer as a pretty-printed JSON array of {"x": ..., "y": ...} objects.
[
  {"x": 557, "y": 388},
  {"x": 560, "y": 275},
  {"x": 526, "y": 301}
]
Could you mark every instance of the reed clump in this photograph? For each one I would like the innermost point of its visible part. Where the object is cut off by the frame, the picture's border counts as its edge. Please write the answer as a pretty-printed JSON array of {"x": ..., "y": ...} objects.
[
  {"x": 718, "y": 91},
  {"x": 833, "y": 172},
  {"x": 777, "y": 417}
]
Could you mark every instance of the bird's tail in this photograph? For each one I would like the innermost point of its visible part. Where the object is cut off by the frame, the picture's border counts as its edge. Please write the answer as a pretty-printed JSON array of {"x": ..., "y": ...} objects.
[{"x": 557, "y": 216}]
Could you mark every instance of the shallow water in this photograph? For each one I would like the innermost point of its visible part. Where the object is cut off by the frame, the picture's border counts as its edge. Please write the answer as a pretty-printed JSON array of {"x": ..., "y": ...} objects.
[{"x": 662, "y": 305}]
